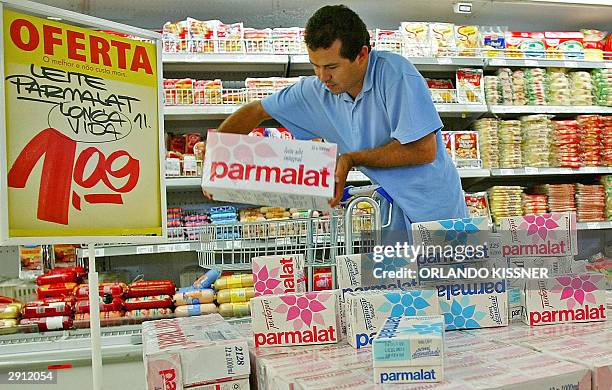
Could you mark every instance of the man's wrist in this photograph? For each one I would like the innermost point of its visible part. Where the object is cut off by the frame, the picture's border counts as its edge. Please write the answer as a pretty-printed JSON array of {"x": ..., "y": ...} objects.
[{"x": 352, "y": 159}]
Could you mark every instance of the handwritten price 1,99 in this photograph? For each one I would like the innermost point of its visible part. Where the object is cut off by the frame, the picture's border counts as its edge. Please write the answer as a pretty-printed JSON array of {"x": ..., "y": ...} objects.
[{"x": 59, "y": 170}]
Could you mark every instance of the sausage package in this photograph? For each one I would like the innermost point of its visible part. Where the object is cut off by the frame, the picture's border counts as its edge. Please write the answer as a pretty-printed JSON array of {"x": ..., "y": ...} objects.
[
  {"x": 56, "y": 290},
  {"x": 49, "y": 323},
  {"x": 151, "y": 287},
  {"x": 115, "y": 304},
  {"x": 48, "y": 308},
  {"x": 115, "y": 290},
  {"x": 149, "y": 302}
]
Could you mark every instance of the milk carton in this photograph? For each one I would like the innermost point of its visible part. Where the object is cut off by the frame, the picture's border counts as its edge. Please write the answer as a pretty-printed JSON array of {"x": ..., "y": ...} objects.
[
  {"x": 552, "y": 234},
  {"x": 295, "y": 319},
  {"x": 473, "y": 304},
  {"x": 367, "y": 311},
  {"x": 265, "y": 171},
  {"x": 278, "y": 274},
  {"x": 566, "y": 298},
  {"x": 240, "y": 384},
  {"x": 409, "y": 350},
  {"x": 174, "y": 349}
]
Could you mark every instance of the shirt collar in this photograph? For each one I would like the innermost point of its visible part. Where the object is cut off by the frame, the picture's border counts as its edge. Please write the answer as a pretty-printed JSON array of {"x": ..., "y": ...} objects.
[{"x": 367, "y": 80}]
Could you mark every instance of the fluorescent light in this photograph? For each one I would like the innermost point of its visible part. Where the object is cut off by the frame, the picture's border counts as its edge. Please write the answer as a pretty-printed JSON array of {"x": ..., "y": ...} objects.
[{"x": 54, "y": 18}]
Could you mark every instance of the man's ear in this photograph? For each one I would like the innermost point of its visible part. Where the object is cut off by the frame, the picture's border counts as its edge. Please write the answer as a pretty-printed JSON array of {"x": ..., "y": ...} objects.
[{"x": 363, "y": 54}]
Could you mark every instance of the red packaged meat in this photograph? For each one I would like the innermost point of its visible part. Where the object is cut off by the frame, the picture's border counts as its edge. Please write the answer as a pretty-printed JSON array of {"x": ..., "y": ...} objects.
[
  {"x": 150, "y": 302},
  {"x": 191, "y": 139},
  {"x": 115, "y": 290},
  {"x": 47, "y": 308},
  {"x": 56, "y": 290},
  {"x": 49, "y": 323},
  {"x": 103, "y": 315},
  {"x": 80, "y": 271},
  {"x": 58, "y": 277},
  {"x": 115, "y": 304},
  {"x": 151, "y": 287}
]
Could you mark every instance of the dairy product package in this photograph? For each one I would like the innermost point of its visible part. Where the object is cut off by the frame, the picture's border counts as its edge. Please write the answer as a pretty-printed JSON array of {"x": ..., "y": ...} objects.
[
  {"x": 473, "y": 304},
  {"x": 240, "y": 384},
  {"x": 551, "y": 234},
  {"x": 409, "y": 349},
  {"x": 296, "y": 319},
  {"x": 566, "y": 298},
  {"x": 174, "y": 349},
  {"x": 339, "y": 379},
  {"x": 278, "y": 274},
  {"x": 367, "y": 311},
  {"x": 271, "y": 172}
]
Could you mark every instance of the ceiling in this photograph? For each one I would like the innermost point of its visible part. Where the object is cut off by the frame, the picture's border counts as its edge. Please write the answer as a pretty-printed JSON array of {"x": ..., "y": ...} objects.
[{"x": 526, "y": 15}]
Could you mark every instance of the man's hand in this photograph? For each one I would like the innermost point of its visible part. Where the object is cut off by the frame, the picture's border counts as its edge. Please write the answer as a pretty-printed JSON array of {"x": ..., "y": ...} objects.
[
  {"x": 343, "y": 166},
  {"x": 207, "y": 195}
]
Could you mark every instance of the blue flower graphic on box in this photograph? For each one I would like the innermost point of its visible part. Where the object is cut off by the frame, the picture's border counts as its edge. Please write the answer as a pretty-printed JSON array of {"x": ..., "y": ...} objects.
[
  {"x": 435, "y": 327},
  {"x": 391, "y": 264},
  {"x": 407, "y": 303},
  {"x": 461, "y": 315},
  {"x": 459, "y": 231}
]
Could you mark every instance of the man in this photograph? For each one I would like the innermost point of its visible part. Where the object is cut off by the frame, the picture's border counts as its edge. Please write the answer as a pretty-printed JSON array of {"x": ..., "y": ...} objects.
[{"x": 377, "y": 108}]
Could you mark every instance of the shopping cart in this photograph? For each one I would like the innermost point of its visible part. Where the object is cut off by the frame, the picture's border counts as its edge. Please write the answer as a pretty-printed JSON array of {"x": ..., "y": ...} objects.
[{"x": 353, "y": 228}]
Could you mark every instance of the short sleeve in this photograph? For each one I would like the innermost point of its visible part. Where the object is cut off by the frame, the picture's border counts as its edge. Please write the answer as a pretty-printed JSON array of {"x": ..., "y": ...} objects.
[
  {"x": 411, "y": 111},
  {"x": 290, "y": 107}
]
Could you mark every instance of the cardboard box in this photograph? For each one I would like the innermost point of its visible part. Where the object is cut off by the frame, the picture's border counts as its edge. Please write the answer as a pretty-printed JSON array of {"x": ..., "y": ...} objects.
[
  {"x": 564, "y": 45},
  {"x": 408, "y": 374},
  {"x": 551, "y": 234},
  {"x": 296, "y": 319},
  {"x": 566, "y": 298},
  {"x": 521, "y": 44},
  {"x": 473, "y": 304},
  {"x": 240, "y": 384},
  {"x": 278, "y": 274},
  {"x": 174, "y": 349},
  {"x": 271, "y": 172},
  {"x": 367, "y": 311}
]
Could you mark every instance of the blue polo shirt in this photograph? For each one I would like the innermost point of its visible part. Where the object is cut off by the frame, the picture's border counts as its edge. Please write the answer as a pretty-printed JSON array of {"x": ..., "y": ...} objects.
[{"x": 394, "y": 103}]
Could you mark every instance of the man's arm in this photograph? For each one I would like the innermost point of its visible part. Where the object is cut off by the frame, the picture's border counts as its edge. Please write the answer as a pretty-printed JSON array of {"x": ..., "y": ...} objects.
[
  {"x": 393, "y": 154},
  {"x": 245, "y": 119}
]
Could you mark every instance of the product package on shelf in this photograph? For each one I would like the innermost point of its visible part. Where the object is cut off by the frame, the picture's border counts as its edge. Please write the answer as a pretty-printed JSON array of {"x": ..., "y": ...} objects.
[
  {"x": 565, "y": 298},
  {"x": 521, "y": 44},
  {"x": 477, "y": 204},
  {"x": 416, "y": 39},
  {"x": 519, "y": 93},
  {"x": 30, "y": 261},
  {"x": 467, "y": 40},
  {"x": 535, "y": 86},
  {"x": 488, "y": 140},
  {"x": 510, "y": 139},
  {"x": 505, "y": 201},
  {"x": 470, "y": 86},
  {"x": 409, "y": 350},
  {"x": 278, "y": 274},
  {"x": 174, "y": 349},
  {"x": 366, "y": 311},
  {"x": 535, "y": 134},
  {"x": 558, "y": 87},
  {"x": 582, "y": 88},
  {"x": 255, "y": 170},
  {"x": 561, "y": 197},
  {"x": 590, "y": 202},
  {"x": 443, "y": 39},
  {"x": 564, "y": 45},
  {"x": 590, "y": 127},
  {"x": 296, "y": 319},
  {"x": 565, "y": 142},
  {"x": 602, "y": 84},
  {"x": 465, "y": 149},
  {"x": 493, "y": 41}
]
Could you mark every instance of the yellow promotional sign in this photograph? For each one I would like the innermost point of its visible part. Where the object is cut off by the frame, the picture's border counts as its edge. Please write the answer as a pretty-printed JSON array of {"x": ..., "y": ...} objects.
[{"x": 82, "y": 134}]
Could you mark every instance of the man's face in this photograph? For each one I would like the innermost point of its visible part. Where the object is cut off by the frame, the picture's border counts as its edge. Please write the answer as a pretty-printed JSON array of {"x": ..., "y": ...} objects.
[{"x": 337, "y": 73}]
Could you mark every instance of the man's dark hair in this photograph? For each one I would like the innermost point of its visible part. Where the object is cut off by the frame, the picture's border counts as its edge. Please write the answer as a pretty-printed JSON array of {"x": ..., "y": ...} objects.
[{"x": 337, "y": 22}]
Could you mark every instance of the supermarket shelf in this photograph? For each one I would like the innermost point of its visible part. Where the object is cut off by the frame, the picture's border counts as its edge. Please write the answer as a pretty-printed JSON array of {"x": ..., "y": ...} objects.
[
  {"x": 460, "y": 110},
  {"x": 193, "y": 112},
  {"x": 473, "y": 172},
  {"x": 183, "y": 183},
  {"x": 550, "y": 110},
  {"x": 430, "y": 64},
  {"x": 127, "y": 250},
  {"x": 550, "y": 171},
  {"x": 226, "y": 62},
  {"x": 546, "y": 63},
  {"x": 594, "y": 225}
]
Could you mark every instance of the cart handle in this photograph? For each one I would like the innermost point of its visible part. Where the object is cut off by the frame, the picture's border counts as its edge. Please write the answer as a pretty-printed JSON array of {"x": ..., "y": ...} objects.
[{"x": 350, "y": 191}]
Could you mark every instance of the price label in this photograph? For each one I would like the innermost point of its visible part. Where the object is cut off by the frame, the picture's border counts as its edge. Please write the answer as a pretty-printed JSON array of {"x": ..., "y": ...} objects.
[
  {"x": 593, "y": 225},
  {"x": 173, "y": 167},
  {"x": 99, "y": 252},
  {"x": 182, "y": 247},
  {"x": 165, "y": 248},
  {"x": 190, "y": 167},
  {"x": 570, "y": 64},
  {"x": 498, "y": 62},
  {"x": 445, "y": 60},
  {"x": 506, "y": 171},
  {"x": 531, "y": 63},
  {"x": 531, "y": 171},
  {"x": 144, "y": 249},
  {"x": 609, "y": 64},
  {"x": 589, "y": 169}
]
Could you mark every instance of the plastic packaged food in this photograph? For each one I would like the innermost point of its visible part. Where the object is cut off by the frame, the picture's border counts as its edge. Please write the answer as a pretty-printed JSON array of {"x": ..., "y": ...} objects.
[
  {"x": 149, "y": 313},
  {"x": 194, "y": 297},
  {"x": 467, "y": 39},
  {"x": 148, "y": 302},
  {"x": 207, "y": 279},
  {"x": 47, "y": 309},
  {"x": 55, "y": 290},
  {"x": 113, "y": 289},
  {"x": 59, "y": 277},
  {"x": 103, "y": 315},
  {"x": 234, "y": 295},
  {"x": 112, "y": 304},
  {"x": 470, "y": 86},
  {"x": 416, "y": 39},
  {"x": 234, "y": 281},
  {"x": 8, "y": 326},
  {"x": 49, "y": 323},
  {"x": 195, "y": 310},
  {"x": 10, "y": 310},
  {"x": 443, "y": 39},
  {"x": 151, "y": 287},
  {"x": 239, "y": 309}
]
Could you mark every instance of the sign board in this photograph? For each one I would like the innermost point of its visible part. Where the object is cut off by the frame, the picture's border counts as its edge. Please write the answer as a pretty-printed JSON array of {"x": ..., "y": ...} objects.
[{"x": 82, "y": 132}]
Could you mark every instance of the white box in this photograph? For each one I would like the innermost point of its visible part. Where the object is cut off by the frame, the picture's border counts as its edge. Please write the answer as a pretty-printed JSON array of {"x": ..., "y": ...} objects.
[
  {"x": 460, "y": 232},
  {"x": 367, "y": 311},
  {"x": 240, "y": 384},
  {"x": 552, "y": 234},
  {"x": 174, "y": 349},
  {"x": 271, "y": 172},
  {"x": 473, "y": 304},
  {"x": 566, "y": 298},
  {"x": 408, "y": 374},
  {"x": 296, "y": 319},
  {"x": 278, "y": 274},
  {"x": 410, "y": 342}
]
